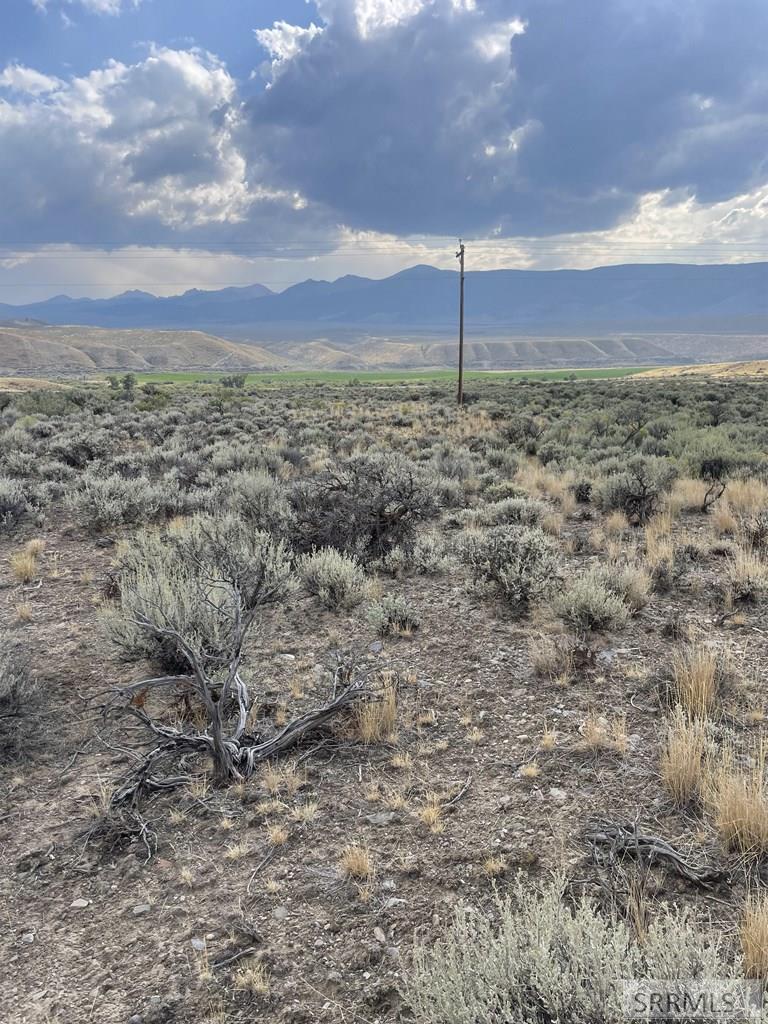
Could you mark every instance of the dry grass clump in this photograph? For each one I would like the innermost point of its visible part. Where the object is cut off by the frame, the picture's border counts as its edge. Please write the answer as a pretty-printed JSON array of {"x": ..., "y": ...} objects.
[
  {"x": 747, "y": 497},
  {"x": 277, "y": 835},
  {"x": 601, "y": 733},
  {"x": 632, "y": 583},
  {"x": 494, "y": 867},
  {"x": 616, "y": 524},
  {"x": 356, "y": 862},
  {"x": 682, "y": 756},
  {"x": 687, "y": 495},
  {"x": 24, "y": 566},
  {"x": 304, "y": 813},
  {"x": 747, "y": 576},
  {"x": 724, "y": 522},
  {"x": 552, "y": 657},
  {"x": 539, "y": 481},
  {"x": 23, "y": 612},
  {"x": 699, "y": 675},
  {"x": 753, "y": 932},
  {"x": 375, "y": 719},
  {"x": 737, "y": 799},
  {"x": 431, "y": 813},
  {"x": 548, "y": 739},
  {"x": 657, "y": 528},
  {"x": 252, "y": 978}
]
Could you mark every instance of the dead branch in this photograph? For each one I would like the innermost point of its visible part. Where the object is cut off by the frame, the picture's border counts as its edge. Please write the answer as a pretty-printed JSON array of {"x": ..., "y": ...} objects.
[
  {"x": 612, "y": 843},
  {"x": 237, "y": 753}
]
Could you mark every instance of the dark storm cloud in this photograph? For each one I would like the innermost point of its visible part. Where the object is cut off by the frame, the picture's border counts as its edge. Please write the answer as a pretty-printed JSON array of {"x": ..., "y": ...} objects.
[
  {"x": 438, "y": 122},
  {"x": 402, "y": 116}
]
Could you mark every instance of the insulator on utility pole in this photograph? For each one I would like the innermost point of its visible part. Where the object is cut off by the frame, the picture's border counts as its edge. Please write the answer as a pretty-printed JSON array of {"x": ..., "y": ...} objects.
[{"x": 460, "y": 258}]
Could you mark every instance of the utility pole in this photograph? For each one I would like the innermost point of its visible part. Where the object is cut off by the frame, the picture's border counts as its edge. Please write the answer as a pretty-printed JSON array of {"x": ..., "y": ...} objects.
[{"x": 460, "y": 258}]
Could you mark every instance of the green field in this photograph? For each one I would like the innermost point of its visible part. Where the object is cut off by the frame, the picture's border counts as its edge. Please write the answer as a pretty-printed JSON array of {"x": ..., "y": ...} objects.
[{"x": 268, "y": 379}]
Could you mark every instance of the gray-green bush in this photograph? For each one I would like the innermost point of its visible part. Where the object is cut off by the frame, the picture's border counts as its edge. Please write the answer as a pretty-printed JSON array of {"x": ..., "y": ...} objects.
[
  {"x": 588, "y": 605},
  {"x": 522, "y": 562},
  {"x": 337, "y": 579},
  {"x": 393, "y": 614},
  {"x": 538, "y": 959},
  {"x": 190, "y": 589}
]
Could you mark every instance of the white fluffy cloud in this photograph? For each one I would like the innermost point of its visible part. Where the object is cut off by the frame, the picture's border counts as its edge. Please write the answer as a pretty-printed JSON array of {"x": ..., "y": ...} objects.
[
  {"x": 23, "y": 79},
  {"x": 128, "y": 152},
  {"x": 283, "y": 41}
]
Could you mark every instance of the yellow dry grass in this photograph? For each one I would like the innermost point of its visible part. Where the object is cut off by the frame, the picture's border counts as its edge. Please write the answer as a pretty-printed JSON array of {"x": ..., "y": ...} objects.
[{"x": 682, "y": 756}]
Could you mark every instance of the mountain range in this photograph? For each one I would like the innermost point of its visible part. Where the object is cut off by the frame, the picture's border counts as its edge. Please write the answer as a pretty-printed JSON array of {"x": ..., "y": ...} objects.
[
  {"x": 722, "y": 297},
  {"x": 637, "y": 314}
]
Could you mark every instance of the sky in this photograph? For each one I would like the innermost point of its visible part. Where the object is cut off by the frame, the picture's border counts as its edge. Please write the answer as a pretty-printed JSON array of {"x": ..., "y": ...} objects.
[{"x": 163, "y": 145}]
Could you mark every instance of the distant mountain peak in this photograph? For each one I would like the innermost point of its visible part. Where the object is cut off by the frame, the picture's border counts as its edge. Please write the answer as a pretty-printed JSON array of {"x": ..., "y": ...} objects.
[{"x": 136, "y": 293}]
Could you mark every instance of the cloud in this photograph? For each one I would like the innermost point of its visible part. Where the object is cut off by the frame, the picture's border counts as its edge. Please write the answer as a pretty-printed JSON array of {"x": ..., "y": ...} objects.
[
  {"x": 93, "y": 6},
  {"x": 23, "y": 79},
  {"x": 131, "y": 153},
  {"x": 537, "y": 117},
  {"x": 632, "y": 124},
  {"x": 283, "y": 41}
]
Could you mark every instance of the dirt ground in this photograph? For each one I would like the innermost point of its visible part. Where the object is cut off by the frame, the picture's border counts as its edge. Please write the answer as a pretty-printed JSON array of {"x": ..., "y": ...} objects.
[{"x": 104, "y": 934}]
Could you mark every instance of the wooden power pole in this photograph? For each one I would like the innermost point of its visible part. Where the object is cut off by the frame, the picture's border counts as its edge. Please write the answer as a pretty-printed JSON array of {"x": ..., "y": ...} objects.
[{"x": 460, "y": 258}]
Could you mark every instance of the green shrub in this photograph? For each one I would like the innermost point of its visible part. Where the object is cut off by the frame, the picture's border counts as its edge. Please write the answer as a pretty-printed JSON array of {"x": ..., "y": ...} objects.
[
  {"x": 521, "y": 561},
  {"x": 13, "y": 503},
  {"x": 366, "y": 506},
  {"x": 588, "y": 605},
  {"x": 337, "y": 579},
  {"x": 636, "y": 490},
  {"x": 540, "y": 959},
  {"x": 514, "y": 511},
  {"x": 190, "y": 588},
  {"x": 257, "y": 497},
  {"x": 103, "y": 502},
  {"x": 393, "y": 614},
  {"x": 427, "y": 557},
  {"x": 630, "y": 583}
]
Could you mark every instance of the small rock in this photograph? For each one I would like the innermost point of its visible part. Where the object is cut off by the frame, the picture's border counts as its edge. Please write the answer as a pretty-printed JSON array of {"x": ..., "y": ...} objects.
[
  {"x": 141, "y": 908},
  {"x": 393, "y": 901},
  {"x": 381, "y": 818},
  {"x": 28, "y": 937},
  {"x": 136, "y": 1019},
  {"x": 80, "y": 904},
  {"x": 198, "y": 944},
  {"x": 280, "y": 913},
  {"x": 393, "y": 952},
  {"x": 558, "y": 795},
  {"x": 389, "y": 884},
  {"x": 376, "y": 647},
  {"x": 378, "y": 934},
  {"x": 287, "y": 657}
]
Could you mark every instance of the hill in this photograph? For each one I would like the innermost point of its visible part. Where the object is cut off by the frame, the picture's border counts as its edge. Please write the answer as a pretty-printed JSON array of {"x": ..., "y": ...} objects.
[
  {"x": 82, "y": 349},
  {"x": 750, "y": 368}
]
